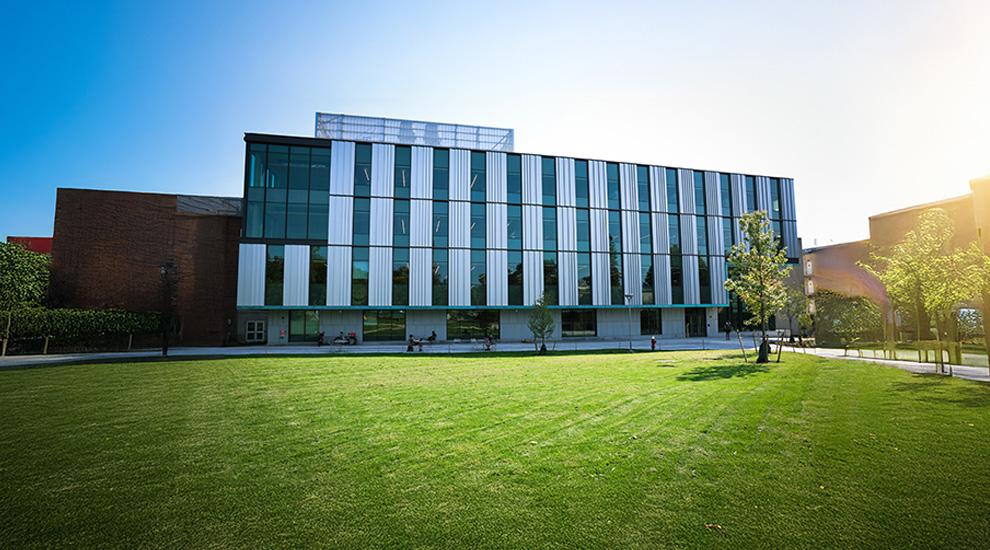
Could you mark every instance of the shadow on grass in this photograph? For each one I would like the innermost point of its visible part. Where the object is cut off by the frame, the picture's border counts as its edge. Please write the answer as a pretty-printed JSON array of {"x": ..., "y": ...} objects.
[
  {"x": 937, "y": 389},
  {"x": 702, "y": 374}
]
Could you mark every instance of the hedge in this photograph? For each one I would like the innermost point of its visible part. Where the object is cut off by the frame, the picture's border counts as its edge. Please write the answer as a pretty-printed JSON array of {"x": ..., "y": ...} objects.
[{"x": 70, "y": 324}]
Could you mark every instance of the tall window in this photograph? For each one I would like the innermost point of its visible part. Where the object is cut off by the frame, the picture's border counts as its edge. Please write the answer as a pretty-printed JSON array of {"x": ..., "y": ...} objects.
[
  {"x": 254, "y": 220},
  {"x": 479, "y": 295},
  {"x": 359, "y": 276},
  {"x": 584, "y": 278},
  {"x": 549, "y": 228},
  {"x": 403, "y": 166},
  {"x": 674, "y": 232},
  {"x": 673, "y": 192},
  {"x": 728, "y": 234},
  {"x": 645, "y": 234},
  {"x": 274, "y": 274},
  {"x": 362, "y": 170},
  {"x": 699, "y": 193},
  {"x": 513, "y": 179},
  {"x": 549, "y": 180},
  {"x": 400, "y": 223},
  {"x": 362, "y": 222},
  {"x": 441, "y": 174},
  {"x": 646, "y": 276},
  {"x": 704, "y": 281},
  {"x": 440, "y": 277},
  {"x": 676, "y": 279},
  {"x": 317, "y": 275},
  {"x": 477, "y": 182},
  {"x": 440, "y": 224},
  {"x": 725, "y": 195},
  {"x": 400, "y": 276},
  {"x": 276, "y": 191},
  {"x": 478, "y": 227},
  {"x": 551, "y": 286},
  {"x": 515, "y": 262},
  {"x": 514, "y": 227},
  {"x": 298, "y": 207},
  {"x": 583, "y": 229},
  {"x": 701, "y": 223},
  {"x": 616, "y": 287},
  {"x": 581, "y": 183},
  {"x": 612, "y": 185},
  {"x": 643, "y": 188},
  {"x": 751, "y": 203},
  {"x": 319, "y": 193}
]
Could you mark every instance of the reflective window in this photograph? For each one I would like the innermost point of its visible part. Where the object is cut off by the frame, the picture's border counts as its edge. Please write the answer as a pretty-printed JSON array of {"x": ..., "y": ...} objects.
[
  {"x": 317, "y": 275},
  {"x": 549, "y": 178},
  {"x": 700, "y": 200},
  {"x": 441, "y": 174},
  {"x": 403, "y": 167},
  {"x": 774, "y": 199},
  {"x": 584, "y": 278},
  {"x": 400, "y": 276},
  {"x": 514, "y": 227},
  {"x": 319, "y": 194},
  {"x": 255, "y": 195},
  {"x": 362, "y": 170},
  {"x": 612, "y": 185},
  {"x": 581, "y": 183},
  {"x": 701, "y": 223},
  {"x": 645, "y": 233},
  {"x": 400, "y": 222},
  {"x": 674, "y": 233},
  {"x": 475, "y": 324},
  {"x": 304, "y": 326},
  {"x": 478, "y": 227},
  {"x": 515, "y": 262},
  {"x": 614, "y": 231},
  {"x": 362, "y": 221},
  {"x": 581, "y": 216},
  {"x": 550, "y": 281},
  {"x": 676, "y": 280},
  {"x": 616, "y": 288},
  {"x": 704, "y": 281},
  {"x": 751, "y": 203},
  {"x": 479, "y": 295},
  {"x": 276, "y": 192},
  {"x": 725, "y": 194},
  {"x": 643, "y": 188},
  {"x": 440, "y": 224},
  {"x": 384, "y": 326},
  {"x": 578, "y": 322},
  {"x": 274, "y": 274},
  {"x": 440, "y": 277},
  {"x": 549, "y": 228},
  {"x": 513, "y": 179},
  {"x": 477, "y": 182},
  {"x": 646, "y": 276},
  {"x": 650, "y": 322},
  {"x": 359, "y": 276},
  {"x": 728, "y": 234},
  {"x": 673, "y": 193}
]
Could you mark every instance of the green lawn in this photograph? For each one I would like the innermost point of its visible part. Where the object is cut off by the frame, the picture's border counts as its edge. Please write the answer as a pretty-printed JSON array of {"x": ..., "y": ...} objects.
[{"x": 691, "y": 449}]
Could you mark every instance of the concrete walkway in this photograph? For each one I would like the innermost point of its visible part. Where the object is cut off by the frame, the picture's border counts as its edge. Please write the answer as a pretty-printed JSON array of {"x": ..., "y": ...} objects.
[
  {"x": 673, "y": 344},
  {"x": 979, "y": 374}
]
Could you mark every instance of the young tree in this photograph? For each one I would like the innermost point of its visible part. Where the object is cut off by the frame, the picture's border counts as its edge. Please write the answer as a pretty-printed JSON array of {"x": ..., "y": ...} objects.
[
  {"x": 540, "y": 324},
  {"x": 759, "y": 267},
  {"x": 845, "y": 319},
  {"x": 796, "y": 310},
  {"x": 23, "y": 283}
]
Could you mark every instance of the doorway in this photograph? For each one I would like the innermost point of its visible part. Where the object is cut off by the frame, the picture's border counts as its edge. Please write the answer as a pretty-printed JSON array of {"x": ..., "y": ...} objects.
[{"x": 695, "y": 322}]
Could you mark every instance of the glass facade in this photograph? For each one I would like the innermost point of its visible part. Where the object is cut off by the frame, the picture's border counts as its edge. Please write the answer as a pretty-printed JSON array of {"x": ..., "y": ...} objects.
[
  {"x": 287, "y": 192},
  {"x": 578, "y": 323},
  {"x": 384, "y": 326},
  {"x": 274, "y": 274},
  {"x": 317, "y": 275},
  {"x": 472, "y": 324}
]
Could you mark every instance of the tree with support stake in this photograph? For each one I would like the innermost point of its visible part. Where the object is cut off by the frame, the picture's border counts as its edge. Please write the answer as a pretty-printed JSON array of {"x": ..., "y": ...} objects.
[{"x": 757, "y": 273}]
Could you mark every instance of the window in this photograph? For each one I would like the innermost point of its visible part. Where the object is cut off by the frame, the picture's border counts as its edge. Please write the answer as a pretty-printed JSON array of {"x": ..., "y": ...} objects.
[
  {"x": 650, "y": 322},
  {"x": 514, "y": 227},
  {"x": 673, "y": 194},
  {"x": 400, "y": 276},
  {"x": 513, "y": 179},
  {"x": 441, "y": 174},
  {"x": 612, "y": 185},
  {"x": 614, "y": 231},
  {"x": 704, "y": 281},
  {"x": 676, "y": 280},
  {"x": 478, "y": 277},
  {"x": 298, "y": 207},
  {"x": 317, "y": 275},
  {"x": 728, "y": 234},
  {"x": 616, "y": 288},
  {"x": 400, "y": 223},
  {"x": 699, "y": 193},
  {"x": 403, "y": 166},
  {"x": 274, "y": 274},
  {"x": 578, "y": 322},
  {"x": 584, "y": 278},
  {"x": 440, "y": 224},
  {"x": 750, "y": 182},
  {"x": 384, "y": 326},
  {"x": 276, "y": 191},
  {"x": 515, "y": 262},
  {"x": 550, "y": 281},
  {"x": 581, "y": 183},
  {"x": 440, "y": 277},
  {"x": 255, "y": 195},
  {"x": 583, "y": 229},
  {"x": 774, "y": 199},
  {"x": 646, "y": 276},
  {"x": 362, "y": 221},
  {"x": 725, "y": 194},
  {"x": 549, "y": 228},
  {"x": 674, "y": 232},
  {"x": 254, "y": 332},
  {"x": 359, "y": 276},
  {"x": 701, "y": 224},
  {"x": 549, "y": 177},
  {"x": 319, "y": 194},
  {"x": 645, "y": 234},
  {"x": 478, "y": 227},
  {"x": 643, "y": 188},
  {"x": 304, "y": 326},
  {"x": 472, "y": 324},
  {"x": 362, "y": 170},
  {"x": 477, "y": 182}
]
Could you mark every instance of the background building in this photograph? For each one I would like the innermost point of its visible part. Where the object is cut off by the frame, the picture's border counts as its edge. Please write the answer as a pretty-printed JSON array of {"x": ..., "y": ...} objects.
[{"x": 387, "y": 228}]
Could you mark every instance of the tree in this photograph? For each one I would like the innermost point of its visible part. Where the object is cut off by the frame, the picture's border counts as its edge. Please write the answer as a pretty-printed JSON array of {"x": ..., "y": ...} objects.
[
  {"x": 23, "y": 283},
  {"x": 540, "y": 324},
  {"x": 844, "y": 319},
  {"x": 796, "y": 310},
  {"x": 759, "y": 267}
]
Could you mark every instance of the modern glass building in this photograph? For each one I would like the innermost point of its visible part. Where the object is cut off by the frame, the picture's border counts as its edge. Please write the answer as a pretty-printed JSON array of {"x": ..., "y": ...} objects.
[{"x": 413, "y": 234}]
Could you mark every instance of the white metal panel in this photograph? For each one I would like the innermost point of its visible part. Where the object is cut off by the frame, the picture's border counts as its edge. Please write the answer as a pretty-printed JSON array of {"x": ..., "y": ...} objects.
[
  {"x": 496, "y": 225},
  {"x": 661, "y": 233},
  {"x": 598, "y": 219},
  {"x": 658, "y": 189},
  {"x": 495, "y": 175},
  {"x": 685, "y": 183},
  {"x": 713, "y": 198},
  {"x": 567, "y": 278},
  {"x": 717, "y": 273},
  {"x": 251, "y": 260},
  {"x": 382, "y": 170},
  {"x": 763, "y": 193},
  {"x": 420, "y": 223},
  {"x": 421, "y": 176},
  {"x": 497, "y": 276},
  {"x": 460, "y": 172},
  {"x": 532, "y": 185},
  {"x": 532, "y": 276},
  {"x": 632, "y": 278},
  {"x": 295, "y": 275},
  {"x": 459, "y": 224},
  {"x": 738, "y": 184},
  {"x": 628, "y": 187},
  {"x": 339, "y": 270},
  {"x": 788, "y": 207},
  {"x": 600, "y": 288},
  {"x": 689, "y": 242},
  {"x": 420, "y": 277},
  {"x": 379, "y": 276},
  {"x": 692, "y": 292},
  {"x": 566, "y": 228},
  {"x": 532, "y": 218},
  {"x": 565, "y": 182},
  {"x": 340, "y": 230},
  {"x": 597, "y": 184},
  {"x": 342, "y": 168},
  {"x": 459, "y": 277},
  {"x": 380, "y": 232},
  {"x": 791, "y": 239},
  {"x": 661, "y": 278}
]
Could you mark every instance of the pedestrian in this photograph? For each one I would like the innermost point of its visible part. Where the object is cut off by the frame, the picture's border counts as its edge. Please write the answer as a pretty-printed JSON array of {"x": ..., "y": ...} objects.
[
  {"x": 653, "y": 343},
  {"x": 728, "y": 329}
]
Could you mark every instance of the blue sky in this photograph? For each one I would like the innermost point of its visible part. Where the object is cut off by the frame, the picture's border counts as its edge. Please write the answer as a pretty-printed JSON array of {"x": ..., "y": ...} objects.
[{"x": 870, "y": 106}]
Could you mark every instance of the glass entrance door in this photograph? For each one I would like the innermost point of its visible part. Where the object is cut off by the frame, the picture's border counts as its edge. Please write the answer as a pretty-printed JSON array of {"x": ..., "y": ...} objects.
[
  {"x": 695, "y": 322},
  {"x": 304, "y": 326}
]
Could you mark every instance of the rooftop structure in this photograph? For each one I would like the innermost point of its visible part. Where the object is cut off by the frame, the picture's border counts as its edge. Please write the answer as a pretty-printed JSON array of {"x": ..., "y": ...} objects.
[{"x": 413, "y": 132}]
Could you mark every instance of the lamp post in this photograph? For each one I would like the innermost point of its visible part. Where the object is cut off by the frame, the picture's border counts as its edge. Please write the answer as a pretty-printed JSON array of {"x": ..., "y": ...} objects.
[{"x": 629, "y": 317}]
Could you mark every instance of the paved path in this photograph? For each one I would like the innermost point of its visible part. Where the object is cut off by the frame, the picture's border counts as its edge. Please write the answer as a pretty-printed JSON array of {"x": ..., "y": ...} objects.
[
  {"x": 675, "y": 344},
  {"x": 959, "y": 371}
]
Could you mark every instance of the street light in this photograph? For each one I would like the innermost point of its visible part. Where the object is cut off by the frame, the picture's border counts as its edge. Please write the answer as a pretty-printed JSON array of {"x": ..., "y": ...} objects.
[{"x": 629, "y": 316}]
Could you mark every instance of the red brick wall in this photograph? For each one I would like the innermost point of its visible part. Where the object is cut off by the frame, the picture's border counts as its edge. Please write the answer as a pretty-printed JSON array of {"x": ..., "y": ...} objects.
[{"x": 108, "y": 247}]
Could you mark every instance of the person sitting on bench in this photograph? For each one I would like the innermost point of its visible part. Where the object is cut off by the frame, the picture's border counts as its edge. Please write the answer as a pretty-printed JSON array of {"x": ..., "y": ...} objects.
[
  {"x": 433, "y": 337},
  {"x": 414, "y": 342}
]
